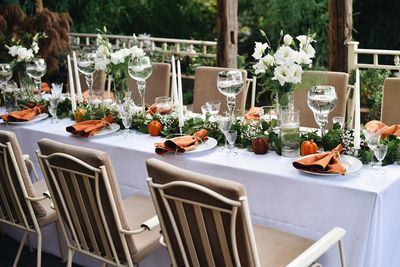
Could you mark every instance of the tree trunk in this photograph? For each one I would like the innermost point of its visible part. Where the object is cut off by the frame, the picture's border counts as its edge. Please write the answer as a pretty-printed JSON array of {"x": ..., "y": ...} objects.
[
  {"x": 340, "y": 30},
  {"x": 227, "y": 28},
  {"x": 39, "y": 6}
]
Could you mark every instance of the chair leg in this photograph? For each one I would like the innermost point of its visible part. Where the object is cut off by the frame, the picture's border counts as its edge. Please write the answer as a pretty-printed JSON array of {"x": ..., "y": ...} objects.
[
  {"x": 70, "y": 255},
  {"x": 341, "y": 251},
  {"x": 30, "y": 243},
  {"x": 58, "y": 229},
  {"x": 21, "y": 246},
  {"x": 39, "y": 250}
]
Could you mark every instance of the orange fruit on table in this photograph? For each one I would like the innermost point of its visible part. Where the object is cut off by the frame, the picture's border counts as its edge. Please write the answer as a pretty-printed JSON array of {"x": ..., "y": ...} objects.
[
  {"x": 154, "y": 128},
  {"x": 308, "y": 147}
]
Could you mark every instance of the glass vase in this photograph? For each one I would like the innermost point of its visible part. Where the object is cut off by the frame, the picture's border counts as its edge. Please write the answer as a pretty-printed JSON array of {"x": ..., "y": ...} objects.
[
  {"x": 27, "y": 86},
  {"x": 120, "y": 89}
]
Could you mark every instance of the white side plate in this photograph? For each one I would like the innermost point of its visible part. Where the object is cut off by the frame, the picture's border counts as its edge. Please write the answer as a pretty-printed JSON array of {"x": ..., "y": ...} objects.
[
  {"x": 39, "y": 117},
  {"x": 351, "y": 164}
]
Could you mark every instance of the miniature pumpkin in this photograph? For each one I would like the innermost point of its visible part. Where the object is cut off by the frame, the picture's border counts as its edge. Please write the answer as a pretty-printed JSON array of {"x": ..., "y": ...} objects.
[
  {"x": 79, "y": 113},
  {"x": 154, "y": 128},
  {"x": 308, "y": 147},
  {"x": 260, "y": 145}
]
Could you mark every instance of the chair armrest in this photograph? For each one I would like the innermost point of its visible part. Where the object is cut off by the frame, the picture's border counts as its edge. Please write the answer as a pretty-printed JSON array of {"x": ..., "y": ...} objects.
[
  {"x": 36, "y": 198},
  {"x": 318, "y": 248},
  {"x": 145, "y": 226}
]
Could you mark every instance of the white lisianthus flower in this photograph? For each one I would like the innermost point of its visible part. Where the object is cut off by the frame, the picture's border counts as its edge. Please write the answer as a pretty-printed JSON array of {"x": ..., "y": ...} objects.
[
  {"x": 24, "y": 54},
  {"x": 281, "y": 74},
  {"x": 303, "y": 58},
  {"x": 13, "y": 50},
  {"x": 260, "y": 67},
  {"x": 35, "y": 47},
  {"x": 287, "y": 39},
  {"x": 268, "y": 60},
  {"x": 259, "y": 50},
  {"x": 308, "y": 49},
  {"x": 285, "y": 55},
  {"x": 101, "y": 63},
  {"x": 117, "y": 58},
  {"x": 137, "y": 52},
  {"x": 295, "y": 73},
  {"x": 103, "y": 51},
  {"x": 125, "y": 52},
  {"x": 305, "y": 40}
]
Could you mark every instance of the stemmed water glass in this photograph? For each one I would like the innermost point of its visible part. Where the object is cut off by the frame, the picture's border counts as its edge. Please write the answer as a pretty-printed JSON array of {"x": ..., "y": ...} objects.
[
  {"x": 126, "y": 112},
  {"x": 5, "y": 76},
  {"x": 36, "y": 69},
  {"x": 322, "y": 100},
  {"x": 53, "y": 100},
  {"x": 380, "y": 153},
  {"x": 372, "y": 140},
  {"x": 140, "y": 70},
  {"x": 213, "y": 108},
  {"x": 86, "y": 65},
  {"x": 231, "y": 136},
  {"x": 224, "y": 123},
  {"x": 230, "y": 83}
]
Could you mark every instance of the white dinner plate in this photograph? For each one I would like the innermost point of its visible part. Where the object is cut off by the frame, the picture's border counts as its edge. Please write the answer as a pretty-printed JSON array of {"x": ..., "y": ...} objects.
[
  {"x": 112, "y": 128},
  {"x": 204, "y": 146},
  {"x": 351, "y": 164},
  {"x": 39, "y": 117}
]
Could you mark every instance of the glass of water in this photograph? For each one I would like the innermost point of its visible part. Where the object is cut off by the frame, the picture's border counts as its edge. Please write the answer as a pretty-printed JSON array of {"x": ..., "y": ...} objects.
[
  {"x": 380, "y": 153},
  {"x": 339, "y": 120},
  {"x": 289, "y": 132},
  {"x": 36, "y": 69}
]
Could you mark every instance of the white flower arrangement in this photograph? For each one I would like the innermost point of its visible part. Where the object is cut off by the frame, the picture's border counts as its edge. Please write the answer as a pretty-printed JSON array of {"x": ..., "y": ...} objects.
[
  {"x": 286, "y": 64},
  {"x": 24, "y": 53}
]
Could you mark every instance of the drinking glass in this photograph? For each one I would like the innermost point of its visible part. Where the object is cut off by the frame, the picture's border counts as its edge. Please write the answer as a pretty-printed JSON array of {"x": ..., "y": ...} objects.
[
  {"x": 213, "y": 108},
  {"x": 380, "y": 153},
  {"x": 56, "y": 88},
  {"x": 339, "y": 120},
  {"x": 204, "y": 111},
  {"x": 230, "y": 83},
  {"x": 224, "y": 123},
  {"x": 140, "y": 70},
  {"x": 163, "y": 104},
  {"x": 5, "y": 76},
  {"x": 372, "y": 140},
  {"x": 268, "y": 113},
  {"x": 125, "y": 112},
  {"x": 289, "y": 132},
  {"x": 322, "y": 100},
  {"x": 86, "y": 65},
  {"x": 36, "y": 69},
  {"x": 231, "y": 136},
  {"x": 53, "y": 100}
]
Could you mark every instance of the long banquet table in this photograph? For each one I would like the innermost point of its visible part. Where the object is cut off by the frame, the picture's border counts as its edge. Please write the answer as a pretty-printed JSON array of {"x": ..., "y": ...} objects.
[{"x": 365, "y": 203}]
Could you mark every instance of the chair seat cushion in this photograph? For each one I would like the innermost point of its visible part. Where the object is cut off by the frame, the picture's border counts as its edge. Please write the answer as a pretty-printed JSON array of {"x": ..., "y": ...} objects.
[
  {"x": 276, "y": 248},
  {"x": 40, "y": 187},
  {"x": 138, "y": 209}
]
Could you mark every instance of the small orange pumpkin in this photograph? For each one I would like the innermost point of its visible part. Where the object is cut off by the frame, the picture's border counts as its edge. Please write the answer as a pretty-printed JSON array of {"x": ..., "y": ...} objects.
[
  {"x": 154, "y": 128},
  {"x": 79, "y": 113},
  {"x": 308, "y": 147},
  {"x": 260, "y": 145}
]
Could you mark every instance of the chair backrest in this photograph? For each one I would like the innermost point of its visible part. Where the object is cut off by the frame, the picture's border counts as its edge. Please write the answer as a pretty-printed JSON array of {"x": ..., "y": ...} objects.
[
  {"x": 16, "y": 186},
  {"x": 312, "y": 78},
  {"x": 390, "y": 111},
  {"x": 205, "y": 89},
  {"x": 86, "y": 196},
  {"x": 204, "y": 220},
  {"x": 157, "y": 85}
]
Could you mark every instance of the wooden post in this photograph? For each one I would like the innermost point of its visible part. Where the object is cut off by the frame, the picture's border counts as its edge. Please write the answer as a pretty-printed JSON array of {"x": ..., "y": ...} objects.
[
  {"x": 227, "y": 29},
  {"x": 340, "y": 28},
  {"x": 39, "y": 6}
]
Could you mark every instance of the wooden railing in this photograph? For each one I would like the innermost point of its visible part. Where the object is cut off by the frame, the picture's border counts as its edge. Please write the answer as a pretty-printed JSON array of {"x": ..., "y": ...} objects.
[{"x": 163, "y": 45}]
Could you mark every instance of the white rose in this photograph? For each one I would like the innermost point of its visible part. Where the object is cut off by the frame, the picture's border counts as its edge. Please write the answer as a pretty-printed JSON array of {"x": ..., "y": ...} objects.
[
  {"x": 137, "y": 52},
  {"x": 281, "y": 74},
  {"x": 35, "y": 47},
  {"x": 259, "y": 50},
  {"x": 287, "y": 39}
]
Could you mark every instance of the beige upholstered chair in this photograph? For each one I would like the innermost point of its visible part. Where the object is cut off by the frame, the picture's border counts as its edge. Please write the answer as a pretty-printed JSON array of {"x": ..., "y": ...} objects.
[
  {"x": 205, "y": 221},
  {"x": 205, "y": 89},
  {"x": 390, "y": 111},
  {"x": 312, "y": 78},
  {"x": 157, "y": 85},
  {"x": 22, "y": 203},
  {"x": 93, "y": 217}
]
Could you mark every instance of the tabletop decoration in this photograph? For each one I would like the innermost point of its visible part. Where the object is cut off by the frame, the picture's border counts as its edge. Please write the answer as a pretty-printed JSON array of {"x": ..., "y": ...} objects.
[
  {"x": 90, "y": 127},
  {"x": 27, "y": 114},
  {"x": 181, "y": 144},
  {"x": 279, "y": 71}
]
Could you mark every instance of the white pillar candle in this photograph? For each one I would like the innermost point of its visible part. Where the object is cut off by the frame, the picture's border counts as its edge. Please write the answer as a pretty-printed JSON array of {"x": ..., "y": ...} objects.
[
  {"x": 78, "y": 81},
  {"x": 174, "y": 89},
  {"x": 357, "y": 121},
  {"x": 71, "y": 84},
  {"x": 109, "y": 87},
  {"x": 180, "y": 96}
]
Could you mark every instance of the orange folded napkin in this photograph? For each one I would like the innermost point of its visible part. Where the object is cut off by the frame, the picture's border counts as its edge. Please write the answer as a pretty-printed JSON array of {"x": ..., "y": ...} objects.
[
  {"x": 383, "y": 129},
  {"x": 90, "y": 127},
  {"x": 153, "y": 110},
  {"x": 326, "y": 162},
  {"x": 253, "y": 114},
  {"x": 44, "y": 87},
  {"x": 181, "y": 144},
  {"x": 23, "y": 115}
]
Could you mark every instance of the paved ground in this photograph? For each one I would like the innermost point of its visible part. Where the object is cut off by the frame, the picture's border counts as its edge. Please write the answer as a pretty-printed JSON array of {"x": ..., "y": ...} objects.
[{"x": 8, "y": 250}]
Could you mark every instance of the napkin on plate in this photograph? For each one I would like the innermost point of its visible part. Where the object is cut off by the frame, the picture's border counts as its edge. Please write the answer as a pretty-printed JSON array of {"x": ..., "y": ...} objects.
[
  {"x": 326, "y": 162},
  {"x": 181, "y": 144},
  {"x": 253, "y": 114},
  {"x": 153, "y": 110},
  {"x": 378, "y": 126},
  {"x": 90, "y": 127},
  {"x": 23, "y": 115}
]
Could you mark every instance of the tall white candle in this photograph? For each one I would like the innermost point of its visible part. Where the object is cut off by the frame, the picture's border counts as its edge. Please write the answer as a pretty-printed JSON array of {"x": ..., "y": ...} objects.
[
  {"x": 71, "y": 84},
  {"x": 109, "y": 87},
  {"x": 78, "y": 81},
  {"x": 180, "y": 95},
  {"x": 174, "y": 89},
  {"x": 357, "y": 120}
]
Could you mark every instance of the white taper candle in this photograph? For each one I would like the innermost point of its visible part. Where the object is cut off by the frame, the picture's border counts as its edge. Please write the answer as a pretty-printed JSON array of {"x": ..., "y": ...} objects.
[
  {"x": 71, "y": 84},
  {"x": 78, "y": 81}
]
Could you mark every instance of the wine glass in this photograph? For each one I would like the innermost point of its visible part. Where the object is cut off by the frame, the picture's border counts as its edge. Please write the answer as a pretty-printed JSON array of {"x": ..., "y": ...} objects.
[
  {"x": 36, "y": 69},
  {"x": 372, "y": 140},
  {"x": 86, "y": 65},
  {"x": 224, "y": 123},
  {"x": 213, "y": 108},
  {"x": 56, "y": 88},
  {"x": 140, "y": 70},
  {"x": 53, "y": 100},
  {"x": 339, "y": 120},
  {"x": 380, "y": 153},
  {"x": 5, "y": 76},
  {"x": 231, "y": 136},
  {"x": 125, "y": 112},
  {"x": 230, "y": 83},
  {"x": 322, "y": 100}
]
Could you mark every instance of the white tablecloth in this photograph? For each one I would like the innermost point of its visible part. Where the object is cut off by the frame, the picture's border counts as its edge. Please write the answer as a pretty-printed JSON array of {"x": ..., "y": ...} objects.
[{"x": 365, "y": 203}]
